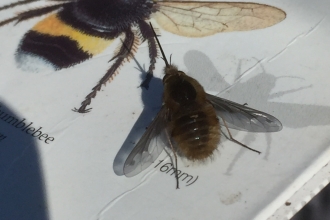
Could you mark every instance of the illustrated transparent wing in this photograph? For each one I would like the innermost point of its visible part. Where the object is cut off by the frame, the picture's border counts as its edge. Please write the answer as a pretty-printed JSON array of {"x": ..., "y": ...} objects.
[
  {"x": 199, "y": 19},
  {"x": 241, "y": 117},
  {"x": 149, "y": 146}
]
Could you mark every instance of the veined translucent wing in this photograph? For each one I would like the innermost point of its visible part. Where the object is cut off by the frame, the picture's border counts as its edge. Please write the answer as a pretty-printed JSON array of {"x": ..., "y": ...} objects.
[
  {"x": 241, "y": 117},
  {"x": 149, "y": 147},
  {"x": 199, "y": 18}
]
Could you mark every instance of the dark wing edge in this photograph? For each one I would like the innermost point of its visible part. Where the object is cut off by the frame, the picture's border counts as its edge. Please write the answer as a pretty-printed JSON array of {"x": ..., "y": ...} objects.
[
  {"x": 243, "y": 118},
  {"x": 149, "y": 147}
]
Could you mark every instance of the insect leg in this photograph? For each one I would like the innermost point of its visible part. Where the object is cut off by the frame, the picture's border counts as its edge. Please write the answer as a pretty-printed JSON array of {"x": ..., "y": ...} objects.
[
  {"x": 31, "y": 13},
  {"x": 148, "y": 35},
  {"x": 120, "y": 57},
  {"x": 175, "y": 159},
  {"x": 236, "y": 141}
]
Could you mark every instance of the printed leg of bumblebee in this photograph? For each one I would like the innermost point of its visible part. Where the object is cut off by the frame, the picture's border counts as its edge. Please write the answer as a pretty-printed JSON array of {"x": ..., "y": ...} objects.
[
  {"x": 236, "y": 141},
  {"x": 31, "y": 13},
  {"x": 148, "y": 35},
  {"x": 175, "y": 159},
  {"x": 123, "y": 53}
]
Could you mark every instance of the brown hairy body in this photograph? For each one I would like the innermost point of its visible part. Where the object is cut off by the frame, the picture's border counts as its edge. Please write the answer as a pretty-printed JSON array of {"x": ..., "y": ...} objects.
[{"x": 193, "y": 123}]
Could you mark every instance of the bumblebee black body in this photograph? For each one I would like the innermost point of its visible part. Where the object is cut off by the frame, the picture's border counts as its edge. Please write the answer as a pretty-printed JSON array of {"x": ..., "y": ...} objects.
[{"x": 83, "y": 28}]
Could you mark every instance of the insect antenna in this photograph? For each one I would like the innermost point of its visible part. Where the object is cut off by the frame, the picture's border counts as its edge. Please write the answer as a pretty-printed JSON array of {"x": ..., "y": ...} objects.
[
  {"x": 160, "y": 47},
  {"x": 31, "y": 14},
  {"x": 16, "y": 4}
]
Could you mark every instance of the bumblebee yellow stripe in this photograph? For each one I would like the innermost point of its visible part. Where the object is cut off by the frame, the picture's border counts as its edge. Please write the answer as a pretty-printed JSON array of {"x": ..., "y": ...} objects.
[{"x": 53, "y": 26}]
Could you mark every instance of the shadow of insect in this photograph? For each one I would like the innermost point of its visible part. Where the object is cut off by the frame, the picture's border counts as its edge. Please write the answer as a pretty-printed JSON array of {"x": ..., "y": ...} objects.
[{"x": 257, "y": 92}]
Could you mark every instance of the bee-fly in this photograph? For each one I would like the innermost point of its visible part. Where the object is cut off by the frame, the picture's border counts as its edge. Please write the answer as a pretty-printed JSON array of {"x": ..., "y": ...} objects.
[{"x": 189, "y": 122}]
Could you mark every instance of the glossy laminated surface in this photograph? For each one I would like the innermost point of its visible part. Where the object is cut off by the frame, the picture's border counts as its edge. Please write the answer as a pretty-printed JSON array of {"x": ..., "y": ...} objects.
[{"x": 59, "y": 164}]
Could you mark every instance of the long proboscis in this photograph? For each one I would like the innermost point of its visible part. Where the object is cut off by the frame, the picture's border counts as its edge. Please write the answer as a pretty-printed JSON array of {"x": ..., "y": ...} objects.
[{"x": 160, "y": 47}]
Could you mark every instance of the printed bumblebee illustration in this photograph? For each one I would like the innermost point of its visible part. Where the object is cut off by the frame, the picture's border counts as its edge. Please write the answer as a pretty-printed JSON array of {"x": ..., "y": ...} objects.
[
  {"x": 77, "y": 30},
  {"x": 189, "y": 122}
]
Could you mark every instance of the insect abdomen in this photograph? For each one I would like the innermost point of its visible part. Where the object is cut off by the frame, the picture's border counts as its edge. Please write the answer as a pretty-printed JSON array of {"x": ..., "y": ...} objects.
[
  {"x": 197, "y": 132},
  {"x": 60, "y": 44}
]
